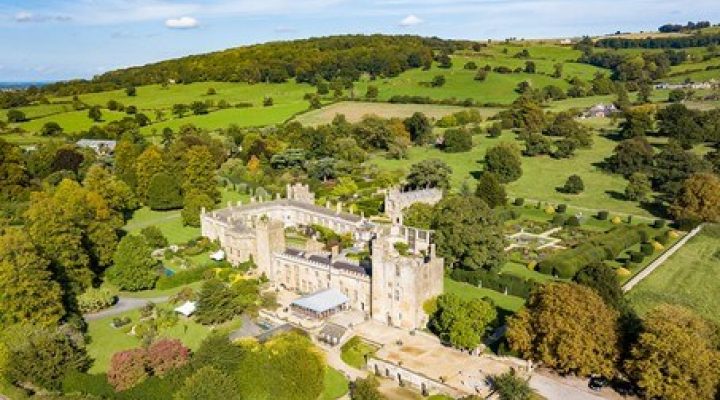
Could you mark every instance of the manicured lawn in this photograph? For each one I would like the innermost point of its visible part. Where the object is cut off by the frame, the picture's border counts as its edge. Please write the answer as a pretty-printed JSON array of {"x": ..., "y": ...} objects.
[
  {"x": 466, "y": 291},
  {"x": 689, "y": 278},
  {"x": 353, "y": 352},
  {"x": 522, "y": 271},
  {"x": 106, "y": 340},
  {"x": 170, "y": 222},
  {"x": 149, "y": 294},
  {"x": 72, "y": 121},
  {"x": 335, "y": 385}
]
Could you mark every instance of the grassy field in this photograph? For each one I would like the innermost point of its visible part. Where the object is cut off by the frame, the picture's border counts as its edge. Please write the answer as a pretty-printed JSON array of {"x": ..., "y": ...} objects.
[
  {"x": 335, "y": 385},
  {"x": 354, "y": 111},
  {"x": 106, "y": 340},
  {"x": 466, "y": 291},
  {"x": 689, "y": 278},
  {"x": 541, "y": 175}
]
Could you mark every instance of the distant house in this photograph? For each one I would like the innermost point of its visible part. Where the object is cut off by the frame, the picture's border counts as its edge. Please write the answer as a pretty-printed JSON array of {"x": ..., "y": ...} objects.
[
  {"x": 101, "y": 147},
  {"x": 566, "y": 41},
  {"x": 688, "y": 85},
  {"x": 600, "y": 111}
]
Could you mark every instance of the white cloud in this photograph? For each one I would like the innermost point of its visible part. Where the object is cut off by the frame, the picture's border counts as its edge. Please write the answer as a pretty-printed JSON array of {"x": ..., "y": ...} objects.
[
  {"x": 182, "y": 23},
  {"x": 410, "y": 20},
  {"x": 23, "y": 16}
]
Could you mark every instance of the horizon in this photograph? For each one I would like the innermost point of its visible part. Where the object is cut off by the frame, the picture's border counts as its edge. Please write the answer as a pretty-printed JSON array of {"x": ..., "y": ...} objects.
[{"x": 63, "y": 40}]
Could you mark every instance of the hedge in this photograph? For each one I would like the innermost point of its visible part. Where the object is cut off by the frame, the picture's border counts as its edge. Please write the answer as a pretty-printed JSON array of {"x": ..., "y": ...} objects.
[
  {"x": 561, "y": 208},
  {"x": 519, "y": 201},
  {"x": 80, "y": 382},
  {"x": 515, "y": 286},
  {"x": 603, "y": 215},
  {"x": 647, "y": 249},
  {"x": 182, "y": 277},
  {"x": 606, "y": 246}
]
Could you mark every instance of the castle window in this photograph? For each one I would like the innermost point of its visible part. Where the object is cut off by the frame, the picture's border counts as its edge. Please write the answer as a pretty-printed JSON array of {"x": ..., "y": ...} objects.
[
  {"x": 397, "y": 271},
  {"x": 397, "y": 295},
  {"x": 399, "y": 316}
]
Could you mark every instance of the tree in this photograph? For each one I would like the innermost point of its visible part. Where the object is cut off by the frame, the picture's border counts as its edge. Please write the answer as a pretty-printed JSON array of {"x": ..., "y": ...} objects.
[
  {"x": 557, "y": 70},
  {"x": 438, "y": 81},
  {"x": 537, "y": 145},
  {"x": 631, "y": 156},
  {"x": 211, "y": 91},
  {"x": 207, "y": 383},
  {"x": 638, "y": 121},
  {"x": 567, "y": 327},
  {"x": 573, "y": 185},
  {"x": 147, "y": 165},
  {"x": 495, "y": 130},
  {"x": 14, "y": 175},
  {"x": 418, "y": 215},
  {"x": 29, "y": 295},
  {"x": 41, "y": 358},
  {"x": 51, "y": 129},
  {"x": 529, "y": 67},
  {"x": 672, "y": 166},
  {"x": 95, "y": 113},
  {"x": 676, "y": 356},
  {"x": 194, "y": 203},
  {"x": 219, "y": 302},
  {"x": 419, "y": 127},
  {"x": 698, "y": 199},
  {"x": 504, "y": 160},
  {"x": 14, "y": 115},
  {"x": 134, "y": 267},
  {"x": 366, "y": 389},
  {"x": 116, "y": 193},
  {"x": 166, "y": 355},
  {"x": 565, "y": 125},
  {"x": 429, "y": 173},
  {"x": 179, "y": 110},
  {"x": 644, "y": 92},
  {"x": 481, "y": 75},
  {"x": 638, "y": 187},
  {"x": 199, "y": 107},
  {"x": 199, "y": 174},
  {"x": 676, "y": 96},
  {"x": 372, "y": 92},
  {"x": 457, "y": 140},
  {"x": 461, "y": 323},
  {"x": 127, "y": 369},
  {"x": 490, "y": 190},
  {"x": 164, "y": 193},
  {"x": 75, "y": 229},
  {"x": 154, "y": 237},
  {"x": 345, "y": 188},
  {"x": 131, "y": 91},
  {"x": 142, "y": 119},
  {"x": 460, "y": 241},
  {"x": 678, "y": 122},
  {"x": 604, "y": 281},
  {"x": 509, "y": 386}
]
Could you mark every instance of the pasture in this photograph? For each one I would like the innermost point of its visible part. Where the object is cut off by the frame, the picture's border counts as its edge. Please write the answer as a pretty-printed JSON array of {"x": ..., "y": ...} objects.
[{"x": 688, "y": 278}]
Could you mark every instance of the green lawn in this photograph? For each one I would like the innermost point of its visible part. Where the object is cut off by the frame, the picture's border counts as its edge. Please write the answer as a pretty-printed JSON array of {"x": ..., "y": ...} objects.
[
  {"x": 170, "y": 222},
  {"x": 689, "y": 278},
  {"x": 353, "y": 352},
  {"x": 522, "y": 271},
  {"x": 466, "y": 291},
  {"x": 106, "y": 340},
  {"x": 72, "y": 121},
  {"x": 335, "y": 385},
  {"x": 541, "y": 175}
]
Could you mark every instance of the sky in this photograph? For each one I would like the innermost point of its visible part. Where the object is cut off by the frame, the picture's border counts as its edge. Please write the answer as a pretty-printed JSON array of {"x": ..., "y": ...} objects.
[{"x": 46, "y": 40}]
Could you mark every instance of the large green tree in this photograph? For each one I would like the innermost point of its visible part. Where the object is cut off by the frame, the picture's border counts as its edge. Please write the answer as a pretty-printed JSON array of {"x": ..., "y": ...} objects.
[
  {"x": 29, "y": 295},
  {"x": 490, "y": 189},
  {"x": 419, "y": 127},
  {"x": 504, "y": 161},
  {"x": 164, "y": 192},
  {"x": 429, "y": 173},
  {"x": 698, "y": 199},
  {"x": 199, "y": 174},
  {"x": 604, "y": 281},
  {"x": 147, "y": 165},
  {"x": 638, "y": 121},
  {"x": 134, "y": 267},
  {"x": 14, "y": 177},
  {"x": 631, "y": 156},
  {"x": 468, "y": 234},
  {"x": 676, "y": 356},
  {"x": 116, "y": 193},
  {"x": 418, "y": 215},
  {"x": 195, "y": 202},
  {"x": 207, "y": 383},
  {"x": 462, "y": 323},
  {"x": 567, "y": 327}
]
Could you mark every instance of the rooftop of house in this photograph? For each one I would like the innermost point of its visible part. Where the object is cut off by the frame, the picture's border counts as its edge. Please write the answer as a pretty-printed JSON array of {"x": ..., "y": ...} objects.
[{"x": 321, "y": 301}]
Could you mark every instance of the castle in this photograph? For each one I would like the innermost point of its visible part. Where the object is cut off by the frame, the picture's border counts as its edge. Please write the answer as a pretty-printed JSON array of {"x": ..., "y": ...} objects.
[{"x": 402, "y": 273}]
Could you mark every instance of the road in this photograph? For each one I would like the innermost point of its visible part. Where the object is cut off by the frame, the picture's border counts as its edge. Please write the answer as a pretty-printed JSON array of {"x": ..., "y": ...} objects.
[
  {"x": 558, "y": 388},
  {"x": 124, "y": 304}
]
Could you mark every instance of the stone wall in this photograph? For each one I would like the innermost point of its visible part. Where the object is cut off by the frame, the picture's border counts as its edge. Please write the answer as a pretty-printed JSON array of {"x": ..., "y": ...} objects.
[{"x": 405, "y": 377}]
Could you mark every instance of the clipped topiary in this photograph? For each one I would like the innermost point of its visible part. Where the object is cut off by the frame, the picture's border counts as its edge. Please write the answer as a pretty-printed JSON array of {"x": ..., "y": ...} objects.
[
  {"x": 603, "y": 215},
  {"x": 561, "y": 208},
  {"x": 647, "y": 249}
]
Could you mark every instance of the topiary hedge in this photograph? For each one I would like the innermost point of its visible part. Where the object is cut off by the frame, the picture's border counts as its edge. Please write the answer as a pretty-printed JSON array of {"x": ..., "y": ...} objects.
[
  {"x": 603, "y": 215},
  {"x": 606, "y": 246},
  {"x": 515, "y": 286}
]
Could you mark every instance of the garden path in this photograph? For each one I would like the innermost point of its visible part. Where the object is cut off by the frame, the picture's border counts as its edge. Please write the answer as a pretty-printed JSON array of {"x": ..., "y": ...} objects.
[{"x": 124, "y": 304}]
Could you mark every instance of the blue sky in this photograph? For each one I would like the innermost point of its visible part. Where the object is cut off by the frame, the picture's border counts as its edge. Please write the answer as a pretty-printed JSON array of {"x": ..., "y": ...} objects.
[{"x": 62, "y": 39}]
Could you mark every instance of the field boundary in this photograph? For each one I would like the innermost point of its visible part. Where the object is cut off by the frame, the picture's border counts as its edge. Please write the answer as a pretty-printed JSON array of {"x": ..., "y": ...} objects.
[{"x": 660, "y": 260}]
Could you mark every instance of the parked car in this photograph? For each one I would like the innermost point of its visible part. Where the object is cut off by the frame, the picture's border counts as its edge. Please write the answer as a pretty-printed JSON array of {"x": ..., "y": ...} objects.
[
  {"x": 622, "y": 387},
  {"x": 597, "y": 382}
]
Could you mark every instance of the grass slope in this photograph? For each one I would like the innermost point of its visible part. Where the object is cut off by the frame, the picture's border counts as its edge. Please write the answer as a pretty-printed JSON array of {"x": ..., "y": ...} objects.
[
  {"x": 466, "y": 291},
  {"x": 688, "y": 278}
]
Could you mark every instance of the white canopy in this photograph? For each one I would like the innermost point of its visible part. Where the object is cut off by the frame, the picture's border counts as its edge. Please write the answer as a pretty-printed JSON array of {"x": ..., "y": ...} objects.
[
  {"x": 187, "y": 309},
  {"x": 218, "y": 255}
]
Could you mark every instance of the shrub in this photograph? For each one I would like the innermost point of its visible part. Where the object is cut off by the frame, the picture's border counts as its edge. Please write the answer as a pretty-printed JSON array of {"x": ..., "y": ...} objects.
[
  {"x": 637, "y": 257},
  {"x": 127, "y": 369},
  {"x": 79, "y": 382},
  {"x": 616, "y": 220},
  {"x": 166, "y": 355},
  {"x": 549, "y": 209},
  {"x": 573, "y": 185},
  {"x": 603, "y": 215},
  {"x": 457, "y": 140},
  {"x": 519, "y": 201},
  {"x": 561, "y": 208},
  {"x": 662, "y": 239},
  {"x": 558, "y": 220},
  {"x": 659, "y": 223},
  {"x": 573, "y": 221},
  {"x": 182, "y": 278},
  {"x": 515, "y": 286},
  {"x": 154, "y": 237},
  {"x": 96, "y": 299},
  {"x": 646, "y": 249}
]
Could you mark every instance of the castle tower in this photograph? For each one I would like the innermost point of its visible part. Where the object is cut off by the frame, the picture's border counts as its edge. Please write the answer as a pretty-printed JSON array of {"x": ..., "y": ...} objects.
[
  {"x": 269, "y": 239},
  {"x": 401, "y": 284}
]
